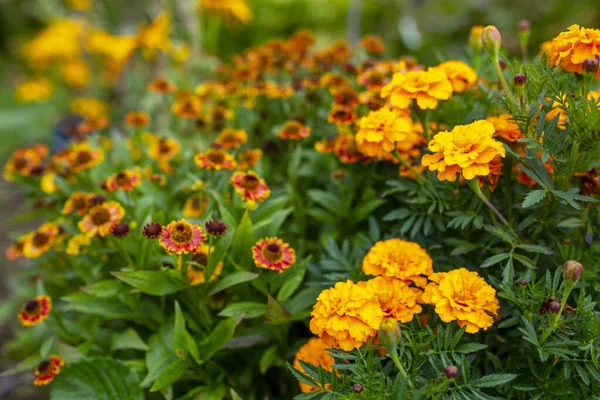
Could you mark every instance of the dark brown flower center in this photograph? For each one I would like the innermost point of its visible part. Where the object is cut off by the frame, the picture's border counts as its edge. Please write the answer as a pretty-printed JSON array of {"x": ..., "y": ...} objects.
[
  {"x": 292, "y": 129},
  {"x": 100, "y": 216},
  {"x": 196, "y": 203},
  {"x": 31, "y": 305},
  {"x": 44, "y": 367},
  {"x": 163, "y": 147},
  {"x": 123, "y": 179},
  {"x": 200, "y": 258},
  {"x": 216, "y": 157},
  {"x": 182, "y": 233},
  {"x": 40, "y": 239},
  {"x": 83, "y": 157},
  {"x": 250, "y": 182},
  {"x": 79, "y": 201},
  {"x": 273, "y": 252},
  {"x": 20, "y": 163}
]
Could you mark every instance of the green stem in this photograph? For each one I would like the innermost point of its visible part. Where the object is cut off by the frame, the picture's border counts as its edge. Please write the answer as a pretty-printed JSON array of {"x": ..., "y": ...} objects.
[
  {"x": 407, "y": 165},
  {"x": 398, "y": 364},
  {"x": 495, "y": 61},
  {"x": 477, "y": 190},
  {"x": 554, "y": 324}
]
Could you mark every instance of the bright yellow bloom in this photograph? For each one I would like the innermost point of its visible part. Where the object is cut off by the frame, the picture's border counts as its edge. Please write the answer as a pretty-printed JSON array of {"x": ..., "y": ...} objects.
[
  {"x": 346, "y": 316},
  {"x": 570, "y": 49},
  {"x": 34, "y": 90},
  {"x": 163, "y": 148},
  {"x": 75, "y": 73},
  {"x": 463, "y": 296},
  {"x": 230, "y": 138},
  {"x": 41, "y": 240},
  {"x": 460, "y": 74},
  {"x": 426, "y": 87},
  {"x": 89, "y": 108},
  {"x": 101, "y": 218},
  {"x": 380, "y": 130},
  {"x": 475, "y": 38},
  {"x": 400, "y": 259},
  {"x": 313, "y": 352},
  {"x": 155, "y": 36},
  {"x": 77, "y": 243},
  {"x": 505, "y": 127},
  {"x": 48, "y": 183},
  {"x": 60, "y": 41},
  {"x": 236, "y": 9},
  {"x": 396, "y": 299},
  {"x": 467, "y": 150},
  {"x": 247, "y": 158},
  {"x": 195, "y": 273}
]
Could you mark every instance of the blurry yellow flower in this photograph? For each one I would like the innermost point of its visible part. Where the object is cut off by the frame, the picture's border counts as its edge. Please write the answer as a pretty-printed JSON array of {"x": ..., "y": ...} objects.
[
  {"x": 180, "y": 53},
  {"x": 570, "y": 49},
  {"x": 463, "y": 296},
  {"x": 113, "y": 51},
  {"x": 230, "y": 138},
  {"x": 460, "y": 74},
  {"x": 467, "y": 150},
  {"x": 235, "y": 9},
  {"x": 248, "y": 158},
  {"x": 155, "y": 36},
  {"x": 60, "y": 41},
  {"x": 396, "y": 299},
  {"x": 101, "y": 218},
  {"x": 475, "y": 38},
  {"x": 48, "y": 184},
  {"x": 77, "y": 243},
  {"x": 34, "y": 90},
  {"x": 75, "y": 73},
  {"x": 81, "y": 157},
  {"x": 80, "y": 5},
  {"x": 89, "y": 108},
  {"x": 195, "y": 206},
  {"x": 41, "y": 240},
  {"x": 313, "y": 352},
  {"x": 426, "y": 87},
  {"x": 372, "y": 44},
  {"x": 163, "y": 148},
  {"x": 198, "y": 185},
  {"x": 380, "y": 130},
  {"x": 346, "y": 316},
  {"x": 25, "y": 161}
]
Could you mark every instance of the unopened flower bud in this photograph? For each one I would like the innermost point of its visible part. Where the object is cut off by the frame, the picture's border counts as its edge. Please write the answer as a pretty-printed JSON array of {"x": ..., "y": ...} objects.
[
  {"x": 491, "y": 39},
  {"x": 120, "y": 229},
  {"x": 520, "y": 80},
  {"x": 502, "y": 64},
  {"x": 451, "y": 371},
  {"x": 389, "y": 334},
  {"x": 590, "y": 66},
  {"x": 572, "y": 270},
  {"x": 357, "y": 387},
  {"x": 554, "y": 307},
  {"x": 215, "y": 227},
  {"x": 524, "y": 26},
  {"x": 152, "y": 230},
  {"x": 523, "y": 282},
  {"x": 475, "y": 38},
  {"x": 567, "y": 242}
]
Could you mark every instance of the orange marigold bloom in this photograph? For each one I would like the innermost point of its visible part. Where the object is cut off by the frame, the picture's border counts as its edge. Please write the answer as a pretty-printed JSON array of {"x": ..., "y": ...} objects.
[
  {"x": 137, "y": 119},
  {"x": 163, "y": 149},
  {"x": 426, "y": 87},
  {"x": 463, "y": 296},
  {"x": 346, "y": 316},
  {"x": 78, "y": 201},
  {"x": 230, "y": 138},
  {"x": 294, "y": 130},
  {"x": 372, "y": 44},
  {"x": 467, "y": 150},
  {"x": 196, "y": 273},
  {"x": 570, "y": 49},
  {"x": 161, "y": 85},
  {"x": 41, "y": 240},
  {"x": 250, "y": 186},
  {"x": 396, "y": 299},
  {"x": 35, "y": 311},
  {"x": 181, "y": 237},
  {"x": 81, "y": 157},
  {"x": 101, "y": 218},
  {"x": 380, "y": 130},
  {"x": 273, "y": 253},
  {"x": 556, "y": 109},
  {"x": 495, "y": 173},
  {"x": 248, "y": 158},
  {"x": 47, "y": 370},
  {"x": 313, "y": 352},
  {"x": 400, "y": 259},
  {"x": 506, "y": 128},
  {"x": 126, "y": 180},
  {"x": 215, "y": 159},
  {"x": 195, "y": 206},
  {"x": 461, "y": 75}
]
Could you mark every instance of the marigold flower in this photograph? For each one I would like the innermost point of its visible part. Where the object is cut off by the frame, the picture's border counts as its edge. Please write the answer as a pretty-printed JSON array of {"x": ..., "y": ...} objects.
[
  {"x": 195, "y": 206},
  {"x": 248, "y": 158},
  {"x": 250, "y": 186},
  {"x": 47, "y": 370},
  {"x": 195, "y": 273},
  {"x": 570, "y": 49},
  {"x": 380, "y": 130},
  {"x": 81, "y": 157},
  {"x": 181, "y": 237},
  {"x": 426, "y": 87},
  {"x": 126, "y": 180},
  {"x": 155, "y": 35},
  {"x": 77, "y": 243},
  {"x": 505, "y": 128},
  {"x": 100, "y": 218},
  {"x": 460, "y": 74},
  {"x": 294, "y": 130},
  {"x": 475, "y": 38},
  {"x": 215, "y": 159},
  {"x": 41, "y": 240},
  {"x": 78, "y": 201},
  {"x": 346, "y": 316},
  {"x": 463, "y": 296},
  {"x": 313, "y": 352},
  {"x": 35, "y": 311},
  {"x": 396, "y": 299},
  {"x": 161, "y": 85},
  {"x": 467, "y": 150},
  {"x": 401, "y": 259},
  {"x": 372, "y": 44},
  {"x": 491, "y": 180},
  {"x": 75, "y": 73},
  {"x": 273, "y": 253},
  {"x": 230, "y": 138}
]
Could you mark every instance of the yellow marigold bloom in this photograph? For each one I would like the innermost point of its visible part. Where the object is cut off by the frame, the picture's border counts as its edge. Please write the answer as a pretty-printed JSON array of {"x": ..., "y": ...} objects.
[
  {"x": 505, "y": 127},
  {"x": 248, "y": 158},
  {"x": 195, "y": 273},
  {"x": 346, "y": 316},
  {"x": 463, "y": 296},
  {"x": 461, "y": 75},
  {"x": 313, "y": 352},
  {"x": 195, "y": 206},
  {"x": 41, "y": 240},
  {"x": 77, "y": 243},
  {"x": 570, "y": 49},
  {"x": 163, "y": 149},
  {"x": 467, "y": 150},
  {"x": 60, "y": 41},
  {"x": 216, "y": 159},
  {"x": 400, "y": 259},
  {"x": 155, "y": 36},
  {"x": 34, "y": 90},
  {"x": 75, "y": 73},
  {"x": 230, "y": 138},
  {"x": 380, "y": 130},
  {"x": 230, "y": 9},
  {"x": 426, "y": 87},
  {"x": 396, "y": 299},
  {"x": 101, "y": 218}
]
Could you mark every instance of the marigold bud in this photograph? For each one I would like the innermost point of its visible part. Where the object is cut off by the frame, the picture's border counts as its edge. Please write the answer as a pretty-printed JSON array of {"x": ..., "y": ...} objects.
[
  {"x": 491, "y": 39},
  {"x": 502, "y": 64},
  {"x": 567, "y": 242},
  {"x": 451, "y": 371},
  {"x": 554, "y": 307},
  {"x": 475, "y": 38},
  {"x": 389, "y": 334},
  {"x": 590, "y": 66},
  {"x": 524, "y": 26},
  {"x": 120, "y": 229},
  {"x": 520, "y": 80},
  {"x": 572, "y": 270},
  {"x": 523, "y": 282},
  {"x": 357, "y": 387}
]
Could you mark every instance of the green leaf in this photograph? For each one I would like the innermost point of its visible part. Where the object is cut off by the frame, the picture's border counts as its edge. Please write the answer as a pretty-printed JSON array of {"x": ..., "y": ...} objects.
[
  {"x": 160, "y": 354},
  {"x": 328, "y": 201},
  {"x": 224, "y": 209},
  {"x": 364, "y": 209},
  {"x": 268, "y": 358},
  {"x": 241, "y": 248},
  {"x": 171, "y": 374},
  {"x": 533, "y": 197},
  {"x": 222, "y": 333},
  {"x": 291, "y": 285},
  {"x": 69, "y": 353},
  {"x": 494, "y": 260},
  {"x": 183, "y": 342},
  {"x": 471, "y": 348},
  {"x": 276, "y": 313},
  {"x": 157, "y": 283},
  {"x": 493, "y": 380},
  {"x": 233, "y": 279},
  {"x": 218, "y": 253},
  {"x": 301, "y": 376},
  {"x": 248, "y": 308},
  {"x": 234, "y": 395},
  {"x": 26, "y": 365},
  {"x": 128, "y": 340},
  {"x": 534, "y": 248},
  {"x": 87, "y": 304},
  {"x": 104, "y": 289},
  {"x": 96, "y": 378}
]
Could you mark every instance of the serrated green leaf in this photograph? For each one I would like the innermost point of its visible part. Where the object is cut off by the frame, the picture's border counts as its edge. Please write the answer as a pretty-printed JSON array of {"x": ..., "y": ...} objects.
[
  {"x": 493, "y": 380},
  {"x": 533, "y": 197}
]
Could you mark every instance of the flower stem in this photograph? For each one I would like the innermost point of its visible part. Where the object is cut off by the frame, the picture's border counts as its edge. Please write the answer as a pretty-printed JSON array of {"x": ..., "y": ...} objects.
[
  {"x": 495, "y": 61},
  {"x": 477, "y": 190},
  {"x": 398, "y": 364},
  {"x": 554, "y": 324},
  {"x": 407, "y": 165}
]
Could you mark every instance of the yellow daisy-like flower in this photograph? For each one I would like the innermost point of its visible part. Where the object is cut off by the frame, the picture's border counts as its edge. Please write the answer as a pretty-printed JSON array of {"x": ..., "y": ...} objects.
[
  {"x": 380, "y": 130},
  {"x": 126, "y": 180},
  {"x": 216, "y": 159},
  {"x": 181, "y": 237},
  {"x": 570, "y": 49},
  {"x": 230, "y": 138},
  {"x": 248, "y": 158},
  {"x": 155, "y": 36},
  {"x": 25, "y": 161},
  {"x": 46, "y": 370},
  {"x": 273, "y": 253},
  {"x": 250, "y": 186},
  {"x": 426, "y": 87},
  {"x": 460, "y": 74},
  {"x": 196, "y": 273},
  {"x": 400, "y": 259},
  {"x": 81, "y": 157},
  {"x": 101, "y": 218},
  {"x": 41, "y": 240},
  {"x": 161, "y": 85},
  {"x": 294, "y": 130},
  {"x": 77, "y": 243},
  {"x": 195, "y": 206},
  {"x": 396, "y": 299},
  {"x": 463, "y": 296},
  {"x": 78, "y": 201},
  {"x": 75, "y": 73},
  {"x": 137, "y": 118},
  {"x": 163, "y": 149},
  {"x": 505, "y": 128},
  {"x": 187, "y": 105},
  {"x": 315, "y": 353},
  {"x": 467, "y": 150},
  {"x": 346, "y": 316},
  {"x": 235, "y": 9}
]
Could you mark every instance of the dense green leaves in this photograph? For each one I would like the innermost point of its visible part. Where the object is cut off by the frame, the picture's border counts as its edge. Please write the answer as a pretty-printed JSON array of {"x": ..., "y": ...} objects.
[{"x": 157, "y": 283}]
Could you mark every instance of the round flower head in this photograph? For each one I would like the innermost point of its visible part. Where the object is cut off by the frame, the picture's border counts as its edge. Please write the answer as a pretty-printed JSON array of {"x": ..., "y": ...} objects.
[
  {"x": 181, "y": 237},
  {"x": 346, "y": 316},
  {"x": 24, "y": 161},
  {"x": 195, "y": 273},
  {"x": 294, "y": 130},
  {"x": 467, "y": 150},
  {"x": 215, "y": 159},
  {"x": 100, "y": 218},
  {"x": 126, "y": 180},
  {"x": 47, "y": 370},
  {"x": 137, "y": 119},
  {"x": 41, "y": 240},
  {"x": 82, "y": 157},
  {"x": 77, "y": 244},
  {"x": 396, "y": 299},
  {"x": 248, "y": 158},
  {"x": 400, "y": 259},
  {"x": 344, "y": 96},
  {"x": 152, "y": 230},
  {"x": 163, "y": 149},
  {"x": 313, "y": 352},
  {"x": 230, "y": 138},
  {"x": 120, "y": 229},
  {"x": 187, "y": 106},
  {"x": 461, "y": 75},
  {"x": 463, "y": 296},
  {"x": 195, "y": 206},
  {"x": 373, "y": 78},
  {"x": 505, "y": 127},
  {"x": 273, "y": 253},
  {"x": 250, "y": 186},
  {"x": 161, "y": 85},
  {"x": 426, "y": 87},
  {"x": 215, "y": 227},
  {"x": 78, "y": 201},
  {"x": 340, "y": 115},
  {"x": 35, "y": 311},
  {"x": 380, "y": 130},
  {"x": 570, "y": 49}
]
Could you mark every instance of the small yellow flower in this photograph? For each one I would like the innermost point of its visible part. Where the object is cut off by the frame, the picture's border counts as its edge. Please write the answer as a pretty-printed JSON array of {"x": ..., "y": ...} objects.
[
  {"x": 426, "y": 87},
  {"x": 41, "y": 240},
  {"x": 155, "y": 36},
  {"x": 230, "y": 138},
  {"x": 195, "y": 273},
  {"x": 248, "y": 158},
  {"x": 75, "y": 73},
  {"x": 77, "y": 243}
]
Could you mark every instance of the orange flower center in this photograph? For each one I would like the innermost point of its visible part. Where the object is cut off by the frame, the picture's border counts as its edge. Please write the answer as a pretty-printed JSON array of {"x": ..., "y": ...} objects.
[
  {"x": 216, "y": 157},
  {"x": 182, "y": 233},
  {"x": 40, "y": 239},
  {"x": 250, "y": 182},
  {"x": 100, "y": 216},
  {"x": 273, "y": 252}
]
